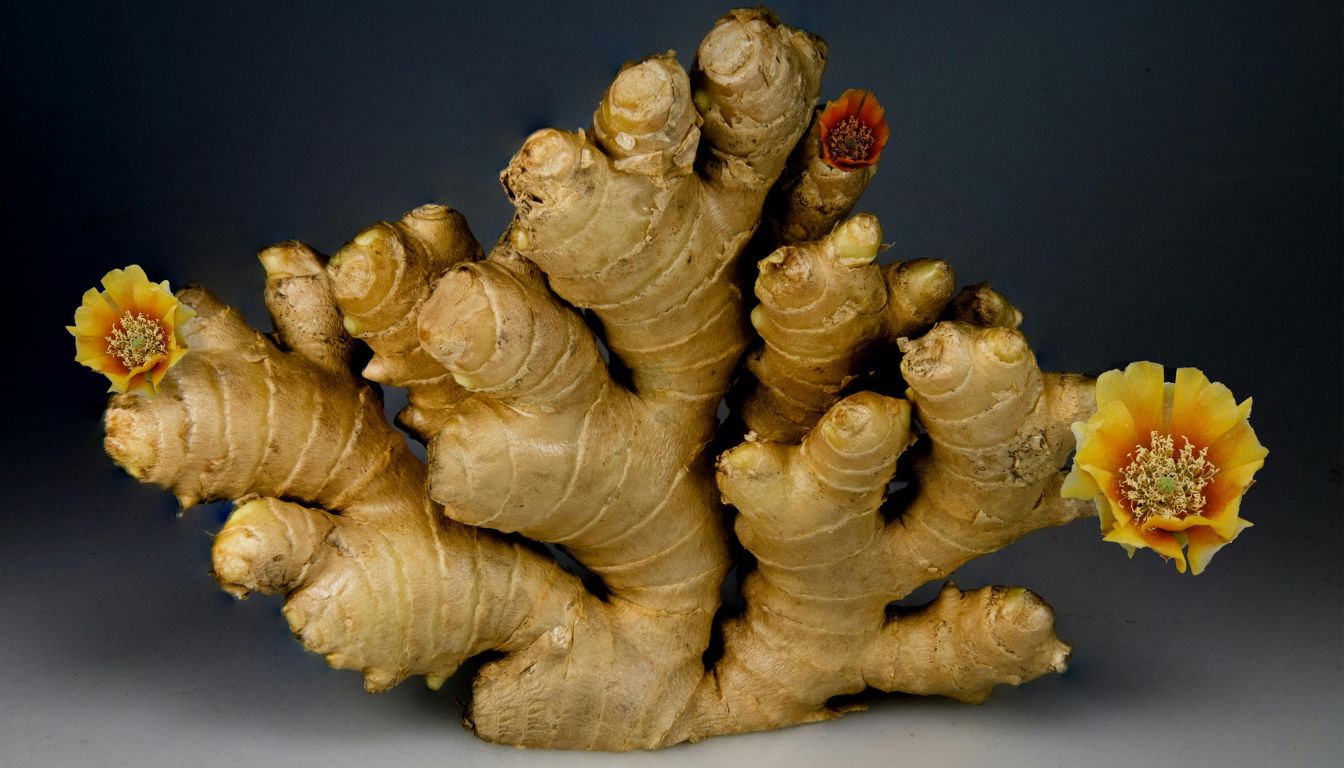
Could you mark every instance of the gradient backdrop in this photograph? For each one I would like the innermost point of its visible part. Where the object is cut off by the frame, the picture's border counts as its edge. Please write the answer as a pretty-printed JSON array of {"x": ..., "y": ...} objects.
[{"x": 1145, "y": 181}]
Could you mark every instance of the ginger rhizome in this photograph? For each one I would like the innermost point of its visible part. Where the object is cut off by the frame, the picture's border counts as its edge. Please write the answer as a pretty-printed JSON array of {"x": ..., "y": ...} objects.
[{"x": 642, "y": 231}]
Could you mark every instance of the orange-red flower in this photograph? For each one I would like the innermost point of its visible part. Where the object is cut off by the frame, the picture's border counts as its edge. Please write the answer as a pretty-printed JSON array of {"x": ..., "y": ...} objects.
[
  {"x": 1166, "y": 463},
  {"x": 130, "y": 331},
  {"x": 853, "y": 130}
]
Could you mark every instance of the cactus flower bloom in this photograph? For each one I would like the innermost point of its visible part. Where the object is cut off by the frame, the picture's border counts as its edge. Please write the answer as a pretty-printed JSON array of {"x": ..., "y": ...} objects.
[
  {"x": 131, "y": 331},
  {"x": 853, "y": 130},
  {"x": 1166, "y": 463}
]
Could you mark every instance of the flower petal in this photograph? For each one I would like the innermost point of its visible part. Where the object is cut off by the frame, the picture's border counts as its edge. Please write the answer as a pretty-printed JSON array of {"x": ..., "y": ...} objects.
[
  {"x": 1204, "y": 543},
  {"x": 1238, "y": 455},
  {"x": 1224, "y": 505},
  {"x": 93, "y": 354},
  {"x": 181, "y": 314},
  {"x": 156, "y": 374},
  {"x": 1104, "y": 479},
  {"x": 1161, "y": 542},
  {"x": 120, "y": 285},
  {"x": 1079, "y": 485},
  {"x": 1141, "y": 389},
  {"x": 869, "y": 111},
  {"x": 1201, "y": 411},
  {"x": 1111, "y": 437},
  {"x": 95, "y": 316},
  {"x": 1110, "y": 514},
  {"x": 118, "y": 381},
  {"x": 1173, "y": 524},
  {"x": 874, "y": 116},
  {"x": 848, "y": 103},
  {"x": 140, "y": 385},
  {"x": 1238, "y": 447}
]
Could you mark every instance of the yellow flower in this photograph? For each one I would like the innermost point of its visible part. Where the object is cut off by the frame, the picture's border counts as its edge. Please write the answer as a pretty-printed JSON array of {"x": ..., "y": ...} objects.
[
  {"x": 1167, "y": 464},
  {"x": 131, "y": 331}
]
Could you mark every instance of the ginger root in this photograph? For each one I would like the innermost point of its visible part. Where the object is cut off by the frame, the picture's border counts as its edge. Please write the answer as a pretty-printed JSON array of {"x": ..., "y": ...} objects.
[{"x": 631, "y": 231}]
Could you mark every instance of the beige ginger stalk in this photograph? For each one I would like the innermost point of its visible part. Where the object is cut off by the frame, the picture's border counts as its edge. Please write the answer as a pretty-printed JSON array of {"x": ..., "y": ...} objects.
[
  {"x": 675, "y": 171},
  {"x": 380, "y": 280},
  {"x": 829, "y": 564},
  {"x": 824, "y": 305},
  {"x": 395, "y": 569},
  {"x": 376, "y": 579},
  {"x": 617, "y": 476}
]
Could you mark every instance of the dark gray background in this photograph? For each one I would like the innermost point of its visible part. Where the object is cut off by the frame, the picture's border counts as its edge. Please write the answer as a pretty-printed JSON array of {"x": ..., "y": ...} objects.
[{"x": 1146, "y": 180}]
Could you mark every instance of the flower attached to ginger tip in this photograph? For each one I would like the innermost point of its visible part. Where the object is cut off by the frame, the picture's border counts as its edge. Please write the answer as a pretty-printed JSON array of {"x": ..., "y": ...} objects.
[
  {"x": 1166, "y": 463},
  {"x": 853, "y": 130},
  {"x": 131, "y": 331}
]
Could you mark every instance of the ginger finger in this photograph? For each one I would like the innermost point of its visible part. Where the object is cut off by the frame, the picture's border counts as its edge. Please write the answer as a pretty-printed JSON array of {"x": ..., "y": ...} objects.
[
  {"x": 964, "y": 643},
  {"x": 380, "y": 280},
  {"x": 825, "y": 305},
  {"x": 303, "y": 307},
  {"x": 980, "y": 304},
  {"x": 267, "y": 545}
]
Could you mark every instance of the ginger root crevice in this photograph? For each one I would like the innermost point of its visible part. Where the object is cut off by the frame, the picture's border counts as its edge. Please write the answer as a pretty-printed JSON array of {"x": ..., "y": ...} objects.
[{"x": 396, "y": 568}]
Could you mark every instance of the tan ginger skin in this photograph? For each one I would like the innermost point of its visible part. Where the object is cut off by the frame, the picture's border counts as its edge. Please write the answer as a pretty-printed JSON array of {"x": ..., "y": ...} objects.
[{"x": 397, "y": 569}]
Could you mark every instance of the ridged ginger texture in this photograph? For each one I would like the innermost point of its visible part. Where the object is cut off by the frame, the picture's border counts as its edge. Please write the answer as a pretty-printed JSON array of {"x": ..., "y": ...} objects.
[{"x": 642, "y": 231}]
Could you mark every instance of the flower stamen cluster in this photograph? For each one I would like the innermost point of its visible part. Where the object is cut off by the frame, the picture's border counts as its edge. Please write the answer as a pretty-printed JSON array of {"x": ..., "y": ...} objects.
[
  {"x": 851, "y": 139},
  {"x": 137, "y": 339},
  {"x": 1160, "y": 482}
]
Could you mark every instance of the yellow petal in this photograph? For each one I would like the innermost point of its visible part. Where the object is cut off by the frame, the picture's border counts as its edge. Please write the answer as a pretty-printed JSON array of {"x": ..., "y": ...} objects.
[
  {"x": 148, "y": 365},
  {"x": 1223, "y": 496},
  {"x": 1109, "y": 513},
  {"x": 1204, "y": 543},
  {"x": 1124, "y": 534},
  {"x": 156, "y": 374},
  {"x": 1079, "y": 485},
  {"x": 181, "y": 314},
  {"x": 95, "y": 316},
  {"x": 1238, "y": 447},
  {"x": 1201, "y": 411},
  {"x": 1160, "y": 542},
  {"x": 1109, "y": 437},
  {"x": 89, "y": 348},
  {"x": 1174, "y": 524},
  {"x": 1104, "y": 479},
  {"x": 119, "y": 382},
  {"x": 154, "y": 300},
  {"x": 120, "y": 285},
  {"x": 140, "y": 385},
  {"x": 175, "y": 354},
  {"x": 1224, "y": 525},
  {"x": 1140, "y": 388},
  {"x": 159, "y": 304},
  {"x": 103, "y": 363}
]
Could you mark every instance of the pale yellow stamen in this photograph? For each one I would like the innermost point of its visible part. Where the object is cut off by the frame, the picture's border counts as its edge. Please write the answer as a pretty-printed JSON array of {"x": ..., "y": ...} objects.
[
  {"x": 1159, "y": 481},
  {"x": 137, "y": 339}
]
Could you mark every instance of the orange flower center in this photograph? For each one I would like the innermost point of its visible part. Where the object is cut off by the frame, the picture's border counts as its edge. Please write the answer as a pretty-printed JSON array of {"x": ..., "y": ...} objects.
[
  {"x": 1160, "y": 481},
  {"x": 137, "y": 339},
  {"x": 850, "y": 139}
]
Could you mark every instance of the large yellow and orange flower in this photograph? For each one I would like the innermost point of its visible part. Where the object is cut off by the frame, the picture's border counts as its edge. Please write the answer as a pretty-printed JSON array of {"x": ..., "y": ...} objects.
[
  {"x": 130, "y": 331},
  {"x": 853, "y": 130},
  {"x": 1166, "y": 463}
]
